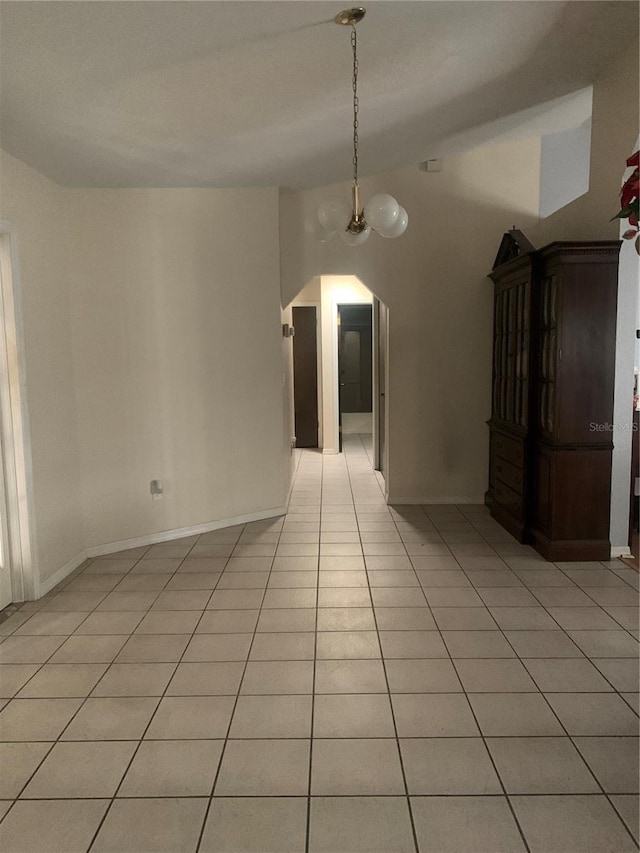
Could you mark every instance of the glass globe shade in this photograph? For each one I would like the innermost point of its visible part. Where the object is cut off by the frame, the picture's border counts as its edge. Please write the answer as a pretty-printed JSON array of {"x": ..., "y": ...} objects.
[
  {"x": 381, "y": 212},
  {"x": 352, "y": 239},
  {"x": 334, "y": 213},
  {"x": 399, "y": 226},
  {"x": 315, "y": 231}
]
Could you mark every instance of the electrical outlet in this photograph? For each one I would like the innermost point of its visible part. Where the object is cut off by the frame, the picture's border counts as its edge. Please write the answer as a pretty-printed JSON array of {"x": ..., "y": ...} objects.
[
  {"x": 156, "y": 489},
  {"x": 431, "y": 166}
]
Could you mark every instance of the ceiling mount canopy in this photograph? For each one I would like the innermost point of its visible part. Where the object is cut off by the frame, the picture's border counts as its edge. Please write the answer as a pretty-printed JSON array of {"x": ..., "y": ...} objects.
[
  {"x": 349, "y": 17},
  {"x": 382, "y": 213}
]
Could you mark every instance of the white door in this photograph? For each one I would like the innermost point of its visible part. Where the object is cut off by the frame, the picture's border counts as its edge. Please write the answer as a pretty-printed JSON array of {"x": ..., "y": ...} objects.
[
  {"x": 5, "y": 549},
  {"x": 14, "y": 528}
]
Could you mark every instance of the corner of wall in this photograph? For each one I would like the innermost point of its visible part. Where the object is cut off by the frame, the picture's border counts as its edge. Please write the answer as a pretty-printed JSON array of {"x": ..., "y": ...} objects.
[{"x": 39, "y": 212}]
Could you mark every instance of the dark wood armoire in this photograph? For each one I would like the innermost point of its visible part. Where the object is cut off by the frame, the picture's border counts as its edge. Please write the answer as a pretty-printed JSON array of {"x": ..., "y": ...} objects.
[{"x": 552, "y": 401}]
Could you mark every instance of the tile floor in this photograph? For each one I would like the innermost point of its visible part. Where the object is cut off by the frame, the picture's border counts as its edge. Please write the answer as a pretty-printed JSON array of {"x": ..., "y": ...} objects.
[{"x": 352, "y": 677}]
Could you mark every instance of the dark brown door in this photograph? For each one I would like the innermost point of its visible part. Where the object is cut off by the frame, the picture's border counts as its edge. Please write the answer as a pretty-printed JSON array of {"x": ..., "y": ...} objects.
[
  {"x": 354, "y": 358},
  {"x": 305, "y": 376},
  {"x": 355, "y": 378},
  {"x": 382, "y": 331}
]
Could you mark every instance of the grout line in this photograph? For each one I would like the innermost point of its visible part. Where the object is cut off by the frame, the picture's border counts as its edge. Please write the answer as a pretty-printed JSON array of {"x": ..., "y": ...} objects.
[
  {"x": 73, "y": 634},
  {"x": 386, "y": 679},
  {"x": 473, "y": 713},
  {"x": 112, "y": 799},
  {"x": 56, "y": 740},
  {"x": 506, "y": 795},
  {"x": 499, "y": 796},
  {"x": 336, "y": 507},
  {"x": 469, "y": 575},
  {"x": 560, "y": 736},
  {"x": 313, "y": 683},
  {"x": 599, "y": 606},
  {"x": 585, "y": 656},
  {"x": 237, "y": 697},
  {"x": 555, "y": 714}
]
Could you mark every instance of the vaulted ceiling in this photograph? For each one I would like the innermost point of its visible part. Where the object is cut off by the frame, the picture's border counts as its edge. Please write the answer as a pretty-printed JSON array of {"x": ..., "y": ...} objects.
[{"x": 185, "y": 93}]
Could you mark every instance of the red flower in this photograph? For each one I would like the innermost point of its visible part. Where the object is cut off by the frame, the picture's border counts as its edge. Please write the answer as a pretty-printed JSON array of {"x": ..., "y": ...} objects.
[
  {"x": 630, "y": 189},
  {"x": 630, "y": 201}
]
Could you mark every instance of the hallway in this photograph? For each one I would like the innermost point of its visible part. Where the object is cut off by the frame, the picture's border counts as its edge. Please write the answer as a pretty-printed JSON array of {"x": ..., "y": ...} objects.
[{"x": 350, "y": 678}]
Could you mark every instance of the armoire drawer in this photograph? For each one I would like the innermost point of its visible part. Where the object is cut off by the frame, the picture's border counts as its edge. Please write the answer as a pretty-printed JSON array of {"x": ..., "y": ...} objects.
[
  {"x": 510, "y": 475},
  {"x": 509, "y": 449},
  {"x": 511, "y": 500}
]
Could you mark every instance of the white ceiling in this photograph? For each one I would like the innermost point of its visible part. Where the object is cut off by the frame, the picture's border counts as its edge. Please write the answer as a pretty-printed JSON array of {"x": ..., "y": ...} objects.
[{"x": 251, "y": 93}]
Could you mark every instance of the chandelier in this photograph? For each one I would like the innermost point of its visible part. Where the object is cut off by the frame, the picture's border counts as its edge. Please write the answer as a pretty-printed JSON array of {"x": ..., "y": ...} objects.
[{"x": 382, "y": 213}]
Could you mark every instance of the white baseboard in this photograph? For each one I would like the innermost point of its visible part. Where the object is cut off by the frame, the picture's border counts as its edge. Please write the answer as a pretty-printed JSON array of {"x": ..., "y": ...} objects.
[
  {"x": 462, "y": 501},
  {"x": 382, "y": 483},
  {"x": 42, "y": 588},
  {"x": 620, "y": 551},
  {"x": 45, "y": 586},
  {"x": 182, "y": 532},
  {"x": 292, "y": 478}
]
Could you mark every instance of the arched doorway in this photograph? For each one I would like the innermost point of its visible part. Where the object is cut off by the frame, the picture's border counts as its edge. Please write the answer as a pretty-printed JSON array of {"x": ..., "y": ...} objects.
[{"x": 340, "y": 367}]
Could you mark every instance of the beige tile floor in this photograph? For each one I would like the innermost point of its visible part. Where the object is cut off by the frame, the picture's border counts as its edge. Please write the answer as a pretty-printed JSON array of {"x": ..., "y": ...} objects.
[{"x": 351, "y": 677}]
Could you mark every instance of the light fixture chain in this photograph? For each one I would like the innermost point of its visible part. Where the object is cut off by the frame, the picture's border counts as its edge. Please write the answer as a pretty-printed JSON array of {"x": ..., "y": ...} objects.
[
  {"x": 354, "y": 45},
  {"x": 383, "y": 213}
]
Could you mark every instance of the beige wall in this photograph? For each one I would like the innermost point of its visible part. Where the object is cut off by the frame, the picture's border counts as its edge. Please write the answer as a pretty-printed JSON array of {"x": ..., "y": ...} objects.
[
  {"x": 613, "y": 133},
  {"x": 311, "y": 292},
  {"x": 433, "y": 279},
  {"x": 153, "y": 351},
  {"x": 178, "y": 360},
  {"x": 38, "y": 212}
]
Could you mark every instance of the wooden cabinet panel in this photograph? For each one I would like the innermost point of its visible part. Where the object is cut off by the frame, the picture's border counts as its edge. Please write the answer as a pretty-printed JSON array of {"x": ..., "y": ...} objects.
[
  {"x": 511, "y": 500},
  {"x": 507, "y": 448},
  {"x": 570, "y": 518},
  {"x": 509, "y": 474},
  {"x": 512, "y": 311},
  {"x": 577, "y": 327},
  {"x": 553, "y": 380},
  {"x": 506, "y": 495},
  {"x": 547, "y": 356},
  {"x": 542, "y": 490}
]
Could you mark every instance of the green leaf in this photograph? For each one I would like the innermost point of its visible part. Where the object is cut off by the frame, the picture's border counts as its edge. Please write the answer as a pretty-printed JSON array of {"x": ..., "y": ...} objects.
[{"x": 625, "y": 213}]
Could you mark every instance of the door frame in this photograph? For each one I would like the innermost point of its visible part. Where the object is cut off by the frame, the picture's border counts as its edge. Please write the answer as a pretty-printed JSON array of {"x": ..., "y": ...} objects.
[
  {"x": 375, "y": 318},
  {"x": 318, "y": 306},
  {"x": 338, "y": 306},
  {"x": 380, "y": 465},
  {"x": 16, "y": 466}
]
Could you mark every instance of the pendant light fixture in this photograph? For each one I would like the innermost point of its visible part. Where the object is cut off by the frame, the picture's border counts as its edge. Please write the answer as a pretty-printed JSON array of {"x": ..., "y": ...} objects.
[{"x": 382, "y": 213}]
